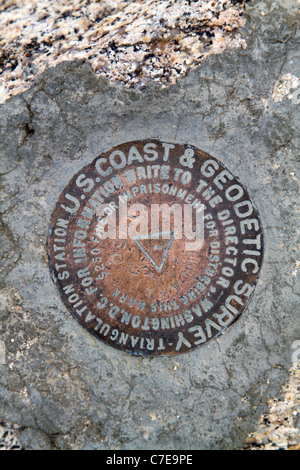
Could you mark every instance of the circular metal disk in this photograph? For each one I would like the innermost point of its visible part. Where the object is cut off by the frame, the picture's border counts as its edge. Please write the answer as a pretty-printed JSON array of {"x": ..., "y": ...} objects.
[{"x": 169, "y": 286}]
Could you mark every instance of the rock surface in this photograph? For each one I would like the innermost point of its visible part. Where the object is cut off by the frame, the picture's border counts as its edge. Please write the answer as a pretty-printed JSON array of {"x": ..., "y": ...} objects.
[
  {"x": 279, "y": 427},
  {"x": 61, "y": 387},
  {"x": 133, "y": 42}
]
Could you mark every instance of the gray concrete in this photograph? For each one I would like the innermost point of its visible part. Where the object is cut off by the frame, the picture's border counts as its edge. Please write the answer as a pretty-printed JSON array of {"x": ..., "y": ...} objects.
[{"x": 62, "y": 387}]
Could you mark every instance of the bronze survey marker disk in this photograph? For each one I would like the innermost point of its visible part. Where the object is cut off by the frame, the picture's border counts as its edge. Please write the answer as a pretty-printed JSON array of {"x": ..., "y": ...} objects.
[{"x": 145, "y": 290}]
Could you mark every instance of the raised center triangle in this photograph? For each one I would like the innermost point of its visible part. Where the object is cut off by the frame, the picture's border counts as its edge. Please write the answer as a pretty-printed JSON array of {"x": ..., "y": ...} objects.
[{"x": 155, "y": 248}]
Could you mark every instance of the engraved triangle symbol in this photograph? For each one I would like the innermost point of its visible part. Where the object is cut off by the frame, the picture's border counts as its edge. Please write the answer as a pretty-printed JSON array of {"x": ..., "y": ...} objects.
[{"x": 156, "y": 246}]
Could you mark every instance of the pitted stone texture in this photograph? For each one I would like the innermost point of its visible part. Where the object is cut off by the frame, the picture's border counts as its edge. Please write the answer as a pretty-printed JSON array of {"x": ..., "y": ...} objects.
[{"x": 61, "y": 386}]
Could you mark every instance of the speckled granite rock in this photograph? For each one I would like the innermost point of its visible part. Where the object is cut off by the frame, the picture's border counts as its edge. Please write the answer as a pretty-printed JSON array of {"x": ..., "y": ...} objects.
[
  {"x": 133, "y": 42},
  {"x": 8, "y": 437},
  {"x": 279, "y": 427},
  {"x": 60, "y": 387}
]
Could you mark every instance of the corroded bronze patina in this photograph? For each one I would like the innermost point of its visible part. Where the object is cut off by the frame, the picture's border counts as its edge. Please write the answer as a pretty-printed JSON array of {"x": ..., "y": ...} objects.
[{"x": 153, "y": 295}]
